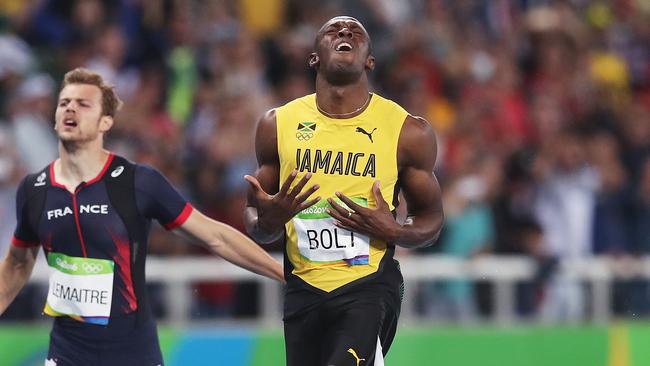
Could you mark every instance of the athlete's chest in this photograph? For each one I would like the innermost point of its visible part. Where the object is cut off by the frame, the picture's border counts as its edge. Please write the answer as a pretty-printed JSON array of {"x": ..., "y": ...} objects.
[
  {"x": 86, "y": 217},
  {"x": 361, "y": 148},
  {"x": 61, "y": 205},
  {"x": 365, "y": 134}
]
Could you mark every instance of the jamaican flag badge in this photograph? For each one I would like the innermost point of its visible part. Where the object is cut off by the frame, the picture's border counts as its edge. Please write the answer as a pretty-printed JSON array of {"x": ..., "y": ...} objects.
[{"x": 305, "y": 130}]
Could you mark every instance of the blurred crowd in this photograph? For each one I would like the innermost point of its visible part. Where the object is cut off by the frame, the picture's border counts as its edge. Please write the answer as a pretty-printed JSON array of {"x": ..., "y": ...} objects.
[{"x": 541, "y": 109}]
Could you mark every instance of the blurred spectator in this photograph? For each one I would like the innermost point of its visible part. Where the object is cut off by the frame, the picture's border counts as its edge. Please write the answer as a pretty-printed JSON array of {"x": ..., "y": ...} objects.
[
  {"x": 609, "y": 213},
  {"x": 62, "y": 22},
  {"x": 9, "y": 179},
  {"x": 469, "y": 232},
  {"x": 565, "y": 206},
  {"x": 518, "y": 232},
  {"x": 181, "y": 65},
  {"x": 639, "y": 213},
  {"x": 16, "y": 59},
  {"x": 31, "y": 119},
  {"x": 27, "y": 305},
  {"x": 110, "y": 62}
]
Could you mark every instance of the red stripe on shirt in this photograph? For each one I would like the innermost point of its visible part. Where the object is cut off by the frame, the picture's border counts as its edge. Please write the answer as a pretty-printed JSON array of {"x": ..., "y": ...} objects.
[
  {"x": 123, "y": 260},
  {"x": 53, "y": 178},
  {"x": 23, "y": 244},
  {"x": 94, "y": 180},
  {"x": 180, "y": 220},
  {"x": 78, "y": 224},
  {"x": 104, "y": 169}
]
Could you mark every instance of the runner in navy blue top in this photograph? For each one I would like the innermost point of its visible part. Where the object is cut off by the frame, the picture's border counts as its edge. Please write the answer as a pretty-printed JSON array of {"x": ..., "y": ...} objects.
[{"x": 91, "y": 212}]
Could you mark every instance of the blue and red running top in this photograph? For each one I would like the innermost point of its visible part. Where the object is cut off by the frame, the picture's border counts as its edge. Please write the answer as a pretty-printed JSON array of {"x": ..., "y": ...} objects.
[{"x": 108, "y": 217}]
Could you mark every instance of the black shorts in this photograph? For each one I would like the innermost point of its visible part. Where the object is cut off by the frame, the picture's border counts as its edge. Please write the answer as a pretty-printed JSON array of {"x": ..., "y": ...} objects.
[
  {"x": 347, "y": 330},
  {"x": 123, "y": 342}
]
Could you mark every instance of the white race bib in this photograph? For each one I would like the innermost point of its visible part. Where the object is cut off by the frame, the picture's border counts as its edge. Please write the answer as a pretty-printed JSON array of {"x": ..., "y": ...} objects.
[
  {"x": 81, "y": 288},
  {"x": 320, "y": 241}
]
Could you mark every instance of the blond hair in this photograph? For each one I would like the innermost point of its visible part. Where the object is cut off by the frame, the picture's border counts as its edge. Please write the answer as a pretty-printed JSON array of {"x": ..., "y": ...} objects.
[{"x": 111, "y": 103}]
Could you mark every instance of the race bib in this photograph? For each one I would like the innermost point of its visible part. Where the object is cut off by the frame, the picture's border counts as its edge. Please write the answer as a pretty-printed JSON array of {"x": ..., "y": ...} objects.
[
  {"x": 320, "y": 241},
  {"x": 81, "y": 288}
]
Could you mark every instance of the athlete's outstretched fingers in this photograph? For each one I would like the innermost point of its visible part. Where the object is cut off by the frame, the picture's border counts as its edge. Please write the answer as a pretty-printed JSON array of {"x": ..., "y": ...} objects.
[
  {"x": 257, "y": 188},
  {"x": 309, "y": 203},
  {"x": 351, "y": 204},
  {"x": 287, "y": 183},
  {"x": 298, "y": 187},
  {"x": 338, "y": 208},
  {"x": 379, "y": 198},
  {"x": 341, "y": 214},
  {"x": 354, "y": 223},
  {"x": 341, "y": 221},
  {"x": 304, "y": 195}
]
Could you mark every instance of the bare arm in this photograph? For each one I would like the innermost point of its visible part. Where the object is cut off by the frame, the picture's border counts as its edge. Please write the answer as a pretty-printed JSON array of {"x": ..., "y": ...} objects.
[
  {"x": 268, "y": 207},
  {"x": 416, "y": 155},
  {"x": 268, "y": 176},
  {"x": 15, "y": 270},
  {"x": 231, "y": 245}
]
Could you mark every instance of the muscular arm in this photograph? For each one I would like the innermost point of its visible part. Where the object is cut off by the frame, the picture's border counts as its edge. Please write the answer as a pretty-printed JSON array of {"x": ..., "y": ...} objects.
[
  {"x": 416, "y": 155},
  {"x": 268, "y": 175},
  {"x": 15, "y": 270},
  {"x": 231, "y": 245}
]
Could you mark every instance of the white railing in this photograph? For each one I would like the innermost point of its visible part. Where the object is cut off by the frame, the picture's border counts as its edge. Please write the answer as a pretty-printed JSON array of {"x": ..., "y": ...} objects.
[{"x": 177, "y": 274}]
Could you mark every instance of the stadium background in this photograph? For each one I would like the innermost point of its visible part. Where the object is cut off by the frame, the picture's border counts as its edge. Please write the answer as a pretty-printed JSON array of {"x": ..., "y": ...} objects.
[{"x": 542, "y": 111}]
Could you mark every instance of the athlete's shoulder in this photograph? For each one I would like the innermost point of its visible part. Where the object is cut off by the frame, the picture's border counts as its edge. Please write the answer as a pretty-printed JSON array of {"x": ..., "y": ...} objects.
[
  {"x": 388, "y": 103},
  {"x": 297, "y": 106},
  {"x": 308, "y": 100},
  {"x": 419, "y": 124},
  {"x": 278, "y": 116},
  {"x": 146, "y": 172},
  {"x": 417, "y": 142},
  {"x": 32, "y": 186},
  {"x": 120, "y": 171},
  {"x": 268, "y": 118},
  {"x": 37, "y": 181},
  {"x": 418, "y": 130},
  {"x": 149, "y": 180},
  {"x": 39, "y": 178},
  {"x": 121, "y": 161}
]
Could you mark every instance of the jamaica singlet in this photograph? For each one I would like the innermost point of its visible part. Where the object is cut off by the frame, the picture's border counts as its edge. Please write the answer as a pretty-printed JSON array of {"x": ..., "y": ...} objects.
[{"x": 344, "y": 155}]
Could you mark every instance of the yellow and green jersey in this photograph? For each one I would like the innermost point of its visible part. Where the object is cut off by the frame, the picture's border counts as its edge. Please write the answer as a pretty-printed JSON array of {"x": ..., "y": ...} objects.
[{"x": 344, "y": 155}]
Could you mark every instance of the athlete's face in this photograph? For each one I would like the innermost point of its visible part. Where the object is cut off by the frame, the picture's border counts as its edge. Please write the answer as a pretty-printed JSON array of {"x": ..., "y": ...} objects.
[
  {"x": 78, "y": 115},
  {"x": 342, "y": 50}
]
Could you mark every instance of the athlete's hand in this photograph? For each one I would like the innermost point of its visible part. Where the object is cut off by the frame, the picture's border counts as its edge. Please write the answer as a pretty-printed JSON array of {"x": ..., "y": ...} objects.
[
  {"x": 273, "y": 211},
  {"x": 377, "y": 223}
]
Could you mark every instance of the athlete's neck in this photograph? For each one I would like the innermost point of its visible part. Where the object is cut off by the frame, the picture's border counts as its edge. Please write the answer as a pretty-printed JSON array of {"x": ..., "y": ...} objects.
[
  {"x": 78, "y": 165},
  {"x": 348, "y": 100}
]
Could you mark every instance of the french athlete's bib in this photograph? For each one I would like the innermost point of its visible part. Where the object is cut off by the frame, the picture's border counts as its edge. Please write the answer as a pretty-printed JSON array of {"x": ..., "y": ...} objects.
[
  {"x": 81, "y": 288},
  {"x": 320, "y": 241}
]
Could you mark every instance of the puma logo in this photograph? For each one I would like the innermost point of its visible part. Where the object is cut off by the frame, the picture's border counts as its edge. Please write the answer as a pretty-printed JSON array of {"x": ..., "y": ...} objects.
[
  {"x": 350, "y": 350},
  {"x": 369, "y": 134}
]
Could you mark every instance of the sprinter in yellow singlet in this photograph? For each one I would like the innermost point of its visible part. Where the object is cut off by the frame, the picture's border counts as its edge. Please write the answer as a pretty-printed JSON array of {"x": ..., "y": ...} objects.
[{"x": 356, "y": 150}]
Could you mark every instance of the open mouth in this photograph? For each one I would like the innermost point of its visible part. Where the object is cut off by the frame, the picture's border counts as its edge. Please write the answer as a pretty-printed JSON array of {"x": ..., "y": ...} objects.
[
  {"x": 344, "y": 47},
  {"x": 70, "y": 123}
]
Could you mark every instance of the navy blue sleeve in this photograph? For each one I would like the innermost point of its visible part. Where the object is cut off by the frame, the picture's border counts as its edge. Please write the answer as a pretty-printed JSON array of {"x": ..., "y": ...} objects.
[
  {"x": 25, "y": 236},
  {"x": 157, "y": 199}
]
